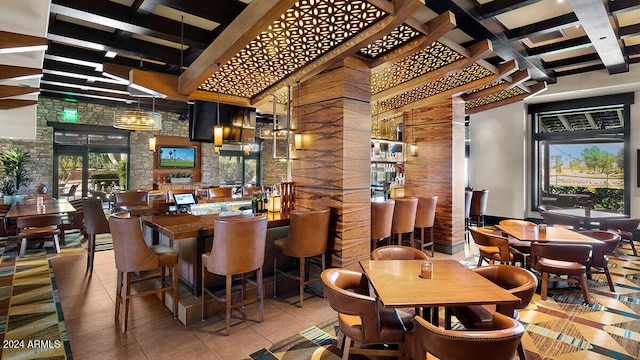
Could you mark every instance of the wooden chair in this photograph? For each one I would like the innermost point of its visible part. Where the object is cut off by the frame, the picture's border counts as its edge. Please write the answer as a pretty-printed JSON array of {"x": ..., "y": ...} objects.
[
  {"x": 599, "y": 261},
  {"x": 95, "y": 223},
  {"x": 361, "y": 318},
  {"x": 497, "y": 343},
  {"x": 398, "y": 252},
  {"x": 38, "y": 228},
  {"x": 249, "y": 190},
  {"x": 71, "y": 192},
  {"x": 381, "y": 220},
  {"x": 479, "y": 206},
  {"x": 425, "y": 219},
  {"x": 624, "y": 228},
  {"x": 520, "y": 249},
  {"x": 238, "y": 248},
  {"x": 132, "y": 255},
  {"x": 72, "y": 221},
  {"x": 404, "y": 218},
  {"x": 215, "y": 192},
  {"x": 130, "y": 198},
  {"x": 552, "y": 219},
  {"x": 308, "y": 235},
  {"x": 492, "y": 247},
  {"x": 561, "y": 259}
]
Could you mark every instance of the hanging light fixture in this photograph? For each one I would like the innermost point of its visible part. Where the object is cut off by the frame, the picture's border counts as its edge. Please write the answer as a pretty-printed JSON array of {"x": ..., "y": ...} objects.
[
  {"x": 137, "y": 119},
  {"x": 413, "y": 149},
  {"x": 218, "y": 130},
  {"x": 297, "y": 136},
  {"x": 152, "y": 139},
  {"x": 376, "y": 144}
]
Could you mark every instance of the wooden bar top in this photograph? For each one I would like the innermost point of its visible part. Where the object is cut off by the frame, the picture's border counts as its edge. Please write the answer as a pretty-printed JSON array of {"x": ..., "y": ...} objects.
[
  {"x": 398, "y": 284},
  {"x": 184, "y": 226}
]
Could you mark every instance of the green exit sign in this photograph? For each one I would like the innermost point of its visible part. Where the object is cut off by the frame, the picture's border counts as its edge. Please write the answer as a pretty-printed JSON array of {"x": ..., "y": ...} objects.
[{"x": 70, "y": 115}]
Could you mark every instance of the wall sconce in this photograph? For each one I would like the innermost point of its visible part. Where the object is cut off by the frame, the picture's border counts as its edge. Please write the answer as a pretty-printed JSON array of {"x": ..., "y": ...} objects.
[
  {"x": 216, "y": 149},
  {"x": 246, "y": 149},
  {"x": 152, "y": 143},
  {"x": 413, "y": 149},
  {"x": 297, "y": 141}
]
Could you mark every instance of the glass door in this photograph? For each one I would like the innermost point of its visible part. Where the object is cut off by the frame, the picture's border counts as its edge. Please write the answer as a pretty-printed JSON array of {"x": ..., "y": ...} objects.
[
  {"x": 69, "y": 175},
  {"x": 89, "y": 173}
]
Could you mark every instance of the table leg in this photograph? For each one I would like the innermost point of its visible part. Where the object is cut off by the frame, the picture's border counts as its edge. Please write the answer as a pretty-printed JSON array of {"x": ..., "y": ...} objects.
[{"x": 435, "y": 316}]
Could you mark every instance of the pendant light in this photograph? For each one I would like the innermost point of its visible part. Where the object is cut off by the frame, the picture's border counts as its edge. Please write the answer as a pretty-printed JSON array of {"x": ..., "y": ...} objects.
[
  {"x": 413, "y": 149},
  {"x": 376, "y": 144},
  {"x": 217, "y": 130},
  {"x": 152, "y": 139}
]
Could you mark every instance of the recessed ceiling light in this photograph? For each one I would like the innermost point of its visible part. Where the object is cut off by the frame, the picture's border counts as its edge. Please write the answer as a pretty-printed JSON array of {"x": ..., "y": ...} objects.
[{"x": 110, "y": 54}]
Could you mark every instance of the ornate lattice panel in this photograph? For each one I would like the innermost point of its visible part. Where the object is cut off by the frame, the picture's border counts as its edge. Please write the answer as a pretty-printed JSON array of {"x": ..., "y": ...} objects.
[
  {"x": 302, "y": 34},
  {"x": 398, "y": 37},
  {"x": 502, "y": 95},
  {"x": 500, "y": 82},
  {"x": 429, "y": 59},
  {"x": 457, "y": 79}
]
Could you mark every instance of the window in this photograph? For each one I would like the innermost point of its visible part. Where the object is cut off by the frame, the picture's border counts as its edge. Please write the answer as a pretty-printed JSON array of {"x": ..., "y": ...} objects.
[
  {"x": 580, "y": 153},
  {"x": 237, "y": 168}
]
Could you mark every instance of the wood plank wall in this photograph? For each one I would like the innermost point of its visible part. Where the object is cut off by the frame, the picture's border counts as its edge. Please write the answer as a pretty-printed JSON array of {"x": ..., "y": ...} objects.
[
  {"x": 439, "y": 167},
  {"x": 333, "y": 169}
]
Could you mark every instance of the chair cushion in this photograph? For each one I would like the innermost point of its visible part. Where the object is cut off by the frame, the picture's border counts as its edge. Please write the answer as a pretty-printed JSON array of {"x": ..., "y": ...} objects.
[
  {"x": 559, "y": 267},
  {"x": 166, "y": 255},
  {"x": 489, "y": 250},
  {"x": 279, "y": 243},
  {"x": 475, "y": 316}
]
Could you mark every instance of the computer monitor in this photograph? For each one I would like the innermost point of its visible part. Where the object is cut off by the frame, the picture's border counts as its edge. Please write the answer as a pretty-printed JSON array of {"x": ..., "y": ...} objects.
[{"x": 184, "y": 199}]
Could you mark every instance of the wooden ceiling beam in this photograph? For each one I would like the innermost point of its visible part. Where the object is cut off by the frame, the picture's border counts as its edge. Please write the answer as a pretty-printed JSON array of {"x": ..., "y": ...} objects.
[
  {"x": 224, "y": 98},
  {"x": 476, "y": 51},
  {"x": 534, "y": 89},
  {"x": 8, "y": 72},
  {"x": 8, "y": 91},
  {"x": 244, "y": 29},
  {"x": 435, "y": 29},
  {"x": 13, "y": 103},
  {"x": 517, "y": 78},
  {"x": 403, "y": 10},
  {"x": 11, "y": 42}
]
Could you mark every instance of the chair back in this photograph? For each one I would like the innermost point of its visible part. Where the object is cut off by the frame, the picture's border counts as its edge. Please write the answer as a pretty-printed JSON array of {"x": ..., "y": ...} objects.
[
  {"x": 426, "y": 212},
  {"x": 620, "y": 224},
  {"x": 348, "y": 293},
  {"x": 238, "y": 244},
  {"x": 517, "y": 222},
  {"x": 220, "y": 192},
  {"x": 518, "y": 281},
  {"x": 131, "y": 198},
  {"x": 249, "y": 190},
  {"x": 562, "y": 252},
  {"x": 39, "y": 221},
  {"x": 72, "y": 190},
  {"x": 552, "y": 219},
  {"x": 130, "y": 251},
  {"x": 468, "y": 195},
  {"x": 484, "y": 238},
  {"x": 308, "y": 233},
  {"x": 496, "y": 344},
  {"x": 95, "y": 220},
  {"x": 479, "y": 202},
  {"x": 398, "y": 252},
  {"x": 610, "y": 244},
  {"x": 381, "y": 218},
  {"x": 404, "y": 215}
]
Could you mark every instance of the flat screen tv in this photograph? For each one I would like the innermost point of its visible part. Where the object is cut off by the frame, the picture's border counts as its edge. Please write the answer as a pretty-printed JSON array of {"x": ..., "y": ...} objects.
[
  {"x": 239, "y": 122},
  {"x": 177, "y": 157}
]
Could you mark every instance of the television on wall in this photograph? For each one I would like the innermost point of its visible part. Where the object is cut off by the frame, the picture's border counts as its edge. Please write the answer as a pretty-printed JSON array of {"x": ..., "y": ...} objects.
[
  {"x": 177, "y": 157},
  {"x": 239, "y": 122}
]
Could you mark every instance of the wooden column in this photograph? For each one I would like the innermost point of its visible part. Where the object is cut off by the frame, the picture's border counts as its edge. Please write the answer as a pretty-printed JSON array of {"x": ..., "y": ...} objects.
[
  {"x": 439, "y": 167},
  {"x": 333, "y": 169}
]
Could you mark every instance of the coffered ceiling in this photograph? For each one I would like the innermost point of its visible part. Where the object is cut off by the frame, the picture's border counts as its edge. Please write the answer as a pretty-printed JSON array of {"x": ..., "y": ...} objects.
[{"x": 490, "y": 53}]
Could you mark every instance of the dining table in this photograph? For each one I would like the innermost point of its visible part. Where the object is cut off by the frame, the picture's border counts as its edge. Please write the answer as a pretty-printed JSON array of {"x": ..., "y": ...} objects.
[
  {"x": 587, "y": 215},
  {"x": 398, "y": 284},
  {"x": 555, "y": 234},
  {"x": 58, "y": 206}
]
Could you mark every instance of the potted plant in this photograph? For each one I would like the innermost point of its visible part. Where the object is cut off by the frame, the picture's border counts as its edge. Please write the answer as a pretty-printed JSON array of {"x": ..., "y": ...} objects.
[
  {"x": 14, "y": 162},
  {"x": 180, "y": 177}
]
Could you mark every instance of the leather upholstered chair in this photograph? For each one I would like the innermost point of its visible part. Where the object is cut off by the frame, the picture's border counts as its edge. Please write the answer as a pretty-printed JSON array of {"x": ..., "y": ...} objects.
[
  {"x": 361, "y": 317},
  {"x": 238, "y": 248},
  {"x": 73, "y": 221},
  {"x": 404, "y": 218},
  {"x": 7, "y": 226},
  {"x": 130, "y": 198},
  {"x": 561, "y": 259},
  {"x": 492, "y": 247},
  {"x": 425, "y": 219},
  {"x": 215, "y": 192},
  {"x": 157, "y": 199},
  {"x": 468, "y": 195},
  {"x": 308, "y": 235},
  {"x": 518, "y": 281},
  {"x": 519, "y": 248},
  {"x": 624, "y": 227},
  {"x": 249, "y": 190},
  {"x": 71, "y": 192},
  {"x": 381, "y": 218},
  {"x": 479, "y": 205},
  {"x": 398, "y": 252},
  {"x": 552, "y": 219},
  {"x": 38, "y": 228},
  {"x": 132, "y": 255},
  {"x": 599, "y": 261},
  {"x": 498, "y": 343},
  {"x": 95, "y": 223}
]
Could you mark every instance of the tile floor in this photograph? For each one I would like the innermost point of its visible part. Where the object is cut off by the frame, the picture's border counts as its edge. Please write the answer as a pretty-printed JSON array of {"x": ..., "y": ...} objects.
[{"x": 88, "y": 305}]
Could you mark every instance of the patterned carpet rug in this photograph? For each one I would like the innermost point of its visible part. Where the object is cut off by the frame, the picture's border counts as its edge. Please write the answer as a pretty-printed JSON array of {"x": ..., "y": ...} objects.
[
  {"x": 562, "y": 327},
  {"x": 31, "y": 320}
]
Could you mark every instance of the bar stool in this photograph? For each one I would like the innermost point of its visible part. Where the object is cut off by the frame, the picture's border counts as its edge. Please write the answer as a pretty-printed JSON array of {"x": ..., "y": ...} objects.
[
  {"x": 381, "y": 218},
  {"x": 308, "y": 234},
  {"x": 425, "y": 219},
  {"x": 404, "y": 218},
  {"x": 96, "y": 223},
  {"x": 132, "y": 255},
  {"x": 479, "y": 205},
  {"x": 238, "y": 248}
]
